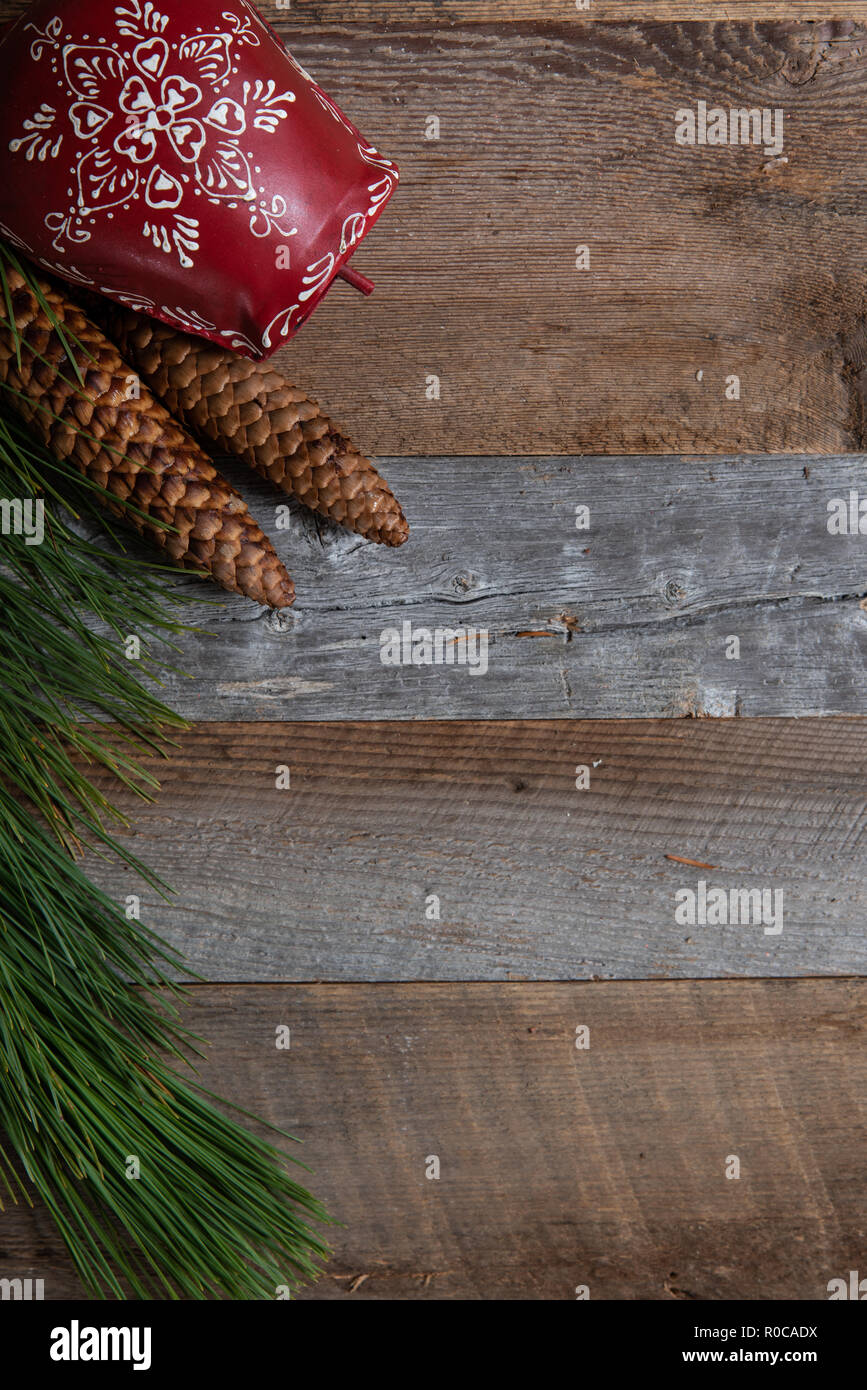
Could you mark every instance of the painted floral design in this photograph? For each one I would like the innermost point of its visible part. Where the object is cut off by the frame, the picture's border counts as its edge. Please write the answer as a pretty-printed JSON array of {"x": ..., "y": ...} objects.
[
  {"x": 159, "y": 126},
  {"x": 152, "y": 122}
]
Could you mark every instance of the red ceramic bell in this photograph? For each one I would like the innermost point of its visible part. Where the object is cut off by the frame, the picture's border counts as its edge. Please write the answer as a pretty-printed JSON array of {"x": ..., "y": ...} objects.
[{"x": 176, "y": 158}]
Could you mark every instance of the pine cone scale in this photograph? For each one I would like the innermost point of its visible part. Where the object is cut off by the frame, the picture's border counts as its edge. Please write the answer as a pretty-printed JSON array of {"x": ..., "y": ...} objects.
[
  {"x": 136, "y": 451},
  {"x": 249, "y": 410}
]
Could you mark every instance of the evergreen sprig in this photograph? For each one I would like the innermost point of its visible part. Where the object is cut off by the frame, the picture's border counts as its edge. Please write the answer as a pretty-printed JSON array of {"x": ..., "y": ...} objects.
[{"x": 93, "y": 1049}]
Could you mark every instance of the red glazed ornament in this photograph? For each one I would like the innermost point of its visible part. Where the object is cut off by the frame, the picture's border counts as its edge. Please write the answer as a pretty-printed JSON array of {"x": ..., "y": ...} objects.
[{"x": 176, "y": 158}]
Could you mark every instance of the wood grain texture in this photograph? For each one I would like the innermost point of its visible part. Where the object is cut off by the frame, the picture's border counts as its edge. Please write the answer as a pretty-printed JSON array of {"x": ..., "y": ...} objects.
[
  {"x": 331, "y": 879},
  {"x": 702, "y": 260},
  {"x": 629, "y": 618},
  {"x": 559, "y": 1167},
  {"x": 286, "y": 14}
]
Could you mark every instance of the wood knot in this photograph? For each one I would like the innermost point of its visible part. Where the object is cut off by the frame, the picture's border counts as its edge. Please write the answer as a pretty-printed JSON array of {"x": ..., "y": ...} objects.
[
  {"x": 281, "y": 621},
  {"x": 462, "y": 583},
  {"x": 673, "y": 593}
]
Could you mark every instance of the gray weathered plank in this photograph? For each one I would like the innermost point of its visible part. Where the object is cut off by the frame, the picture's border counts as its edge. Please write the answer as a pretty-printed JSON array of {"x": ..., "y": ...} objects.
[
  {"x": 332, "y": 878},
  {"x": 559, "y": 1167},
  {"x": 630, "y": 618}
]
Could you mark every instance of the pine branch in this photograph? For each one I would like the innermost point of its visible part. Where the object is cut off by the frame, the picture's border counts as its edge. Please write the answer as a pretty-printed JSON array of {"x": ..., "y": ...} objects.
[
  {"x": 85, "y": 1090},
  {"x": 91, "y": 1036}
]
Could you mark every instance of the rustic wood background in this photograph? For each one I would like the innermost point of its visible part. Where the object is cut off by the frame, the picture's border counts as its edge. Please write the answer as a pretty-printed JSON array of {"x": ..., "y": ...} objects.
[
  {"x": 627, "y": 619},
  {"x": 559, "y": 1167},
  {"x": 555, "y": 135},
  {"x": 536, "y": 879},
  {"x": 558, "y": 388}
]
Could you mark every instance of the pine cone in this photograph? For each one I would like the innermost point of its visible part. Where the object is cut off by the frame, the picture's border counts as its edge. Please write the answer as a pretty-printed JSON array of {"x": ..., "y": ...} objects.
[
  {"x": 249, "y": 409},
  {"x": 131, "y": 447}
]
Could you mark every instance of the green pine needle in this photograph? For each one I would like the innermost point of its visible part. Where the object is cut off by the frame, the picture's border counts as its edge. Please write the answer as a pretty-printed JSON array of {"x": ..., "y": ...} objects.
[{"x": 91, "y": 1036}]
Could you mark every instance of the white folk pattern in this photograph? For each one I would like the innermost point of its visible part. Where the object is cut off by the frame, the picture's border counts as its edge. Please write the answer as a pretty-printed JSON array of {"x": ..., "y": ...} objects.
[{"x": 132, "y": 106}]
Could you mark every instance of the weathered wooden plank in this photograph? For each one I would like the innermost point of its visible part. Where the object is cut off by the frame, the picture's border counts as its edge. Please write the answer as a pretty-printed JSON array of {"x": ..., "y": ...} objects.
[
  {"x": 334, "y": 877},
  {"x": 559, "y": 1167},
  {"x": 286, "y": 14},
  {"x": 684, "y": 10},
  {"x": 709, "y": 260},
  {"x": 552, "y": 136},
  {"x": 630, "y": 618}
]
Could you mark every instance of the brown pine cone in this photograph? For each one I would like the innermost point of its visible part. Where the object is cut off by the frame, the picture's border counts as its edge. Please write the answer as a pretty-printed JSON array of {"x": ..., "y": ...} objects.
[
  {"x": 135, "y": 449},
  {"x": 249, "y": 409}
]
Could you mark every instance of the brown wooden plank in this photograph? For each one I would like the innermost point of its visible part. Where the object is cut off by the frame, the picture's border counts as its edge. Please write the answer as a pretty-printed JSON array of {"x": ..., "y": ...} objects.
[
  {"x": 559, "y": 1167},
  {"x": 331, "y": 878},
  {"x": 704, "y": 260},
  {"x": 679, "y": 9},
  {"x": 286, "y": 13}
]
